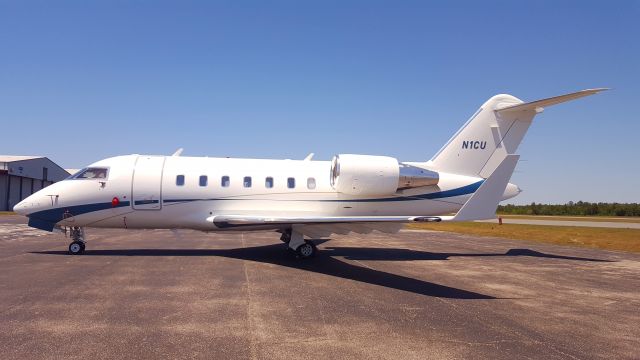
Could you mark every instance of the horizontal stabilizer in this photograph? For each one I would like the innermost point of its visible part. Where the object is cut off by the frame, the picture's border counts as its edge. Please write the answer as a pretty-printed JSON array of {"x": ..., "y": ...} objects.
[{"x": 539, "y": 105}]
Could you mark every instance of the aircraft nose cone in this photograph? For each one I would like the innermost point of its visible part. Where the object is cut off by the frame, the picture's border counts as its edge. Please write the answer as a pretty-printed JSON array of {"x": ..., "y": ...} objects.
[{"x": 21, "y": 208}]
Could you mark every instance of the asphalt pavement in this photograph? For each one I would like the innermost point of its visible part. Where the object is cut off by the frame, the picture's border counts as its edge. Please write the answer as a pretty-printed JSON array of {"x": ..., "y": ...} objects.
[{"x": 413, "y": 295}]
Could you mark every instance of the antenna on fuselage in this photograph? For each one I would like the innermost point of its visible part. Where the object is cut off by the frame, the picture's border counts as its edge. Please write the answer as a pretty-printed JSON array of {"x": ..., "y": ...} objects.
[{"x": 178, "y": 152}]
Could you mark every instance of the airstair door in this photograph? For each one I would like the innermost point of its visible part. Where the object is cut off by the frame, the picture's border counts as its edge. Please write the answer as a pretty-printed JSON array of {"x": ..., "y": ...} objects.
[{"x": 147, "y": 183}]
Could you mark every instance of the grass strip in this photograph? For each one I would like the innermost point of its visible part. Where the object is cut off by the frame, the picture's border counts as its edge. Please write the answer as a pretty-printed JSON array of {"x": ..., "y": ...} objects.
[
  {"x": 622, "y": 219},
  {"x": 599, "y": 238}
]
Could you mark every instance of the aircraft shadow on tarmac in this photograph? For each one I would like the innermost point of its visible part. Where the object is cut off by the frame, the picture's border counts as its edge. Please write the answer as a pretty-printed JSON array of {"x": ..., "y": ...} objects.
[
  {"x": 393, "y": 254},
  {"x": 326, "y": 263}
]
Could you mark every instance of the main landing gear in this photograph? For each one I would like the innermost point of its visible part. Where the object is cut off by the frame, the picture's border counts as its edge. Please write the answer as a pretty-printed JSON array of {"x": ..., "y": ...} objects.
[
  {"x": 77, "y": 246},
  {"x": 304, "y": 249}
]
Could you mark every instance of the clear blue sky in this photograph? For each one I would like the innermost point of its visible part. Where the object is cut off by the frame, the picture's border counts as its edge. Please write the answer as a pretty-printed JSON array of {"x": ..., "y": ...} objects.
[{"x": 82, "y": 80}]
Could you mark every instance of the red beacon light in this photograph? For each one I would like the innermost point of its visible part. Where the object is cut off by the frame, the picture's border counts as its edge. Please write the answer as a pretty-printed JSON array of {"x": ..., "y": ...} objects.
[{"x": 115, "y": 202}]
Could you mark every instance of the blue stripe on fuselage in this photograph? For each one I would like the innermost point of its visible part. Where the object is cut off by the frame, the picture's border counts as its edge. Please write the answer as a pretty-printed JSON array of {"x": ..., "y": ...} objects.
[
  {"x": 465, "y": 190},
  {"x": 57, "y": 214},
  {"x": 145, "y": 202}
]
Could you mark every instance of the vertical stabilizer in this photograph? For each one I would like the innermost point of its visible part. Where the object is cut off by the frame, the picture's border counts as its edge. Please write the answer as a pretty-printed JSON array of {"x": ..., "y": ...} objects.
[
  {"x": 493, "y": 132},
  {"x": 484, "y": 141}
]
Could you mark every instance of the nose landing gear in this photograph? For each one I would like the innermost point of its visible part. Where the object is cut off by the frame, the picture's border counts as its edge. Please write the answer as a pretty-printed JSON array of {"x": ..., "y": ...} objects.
[
  {"x": 76, "y": 248},
  {"x": 78, "y": 245}
]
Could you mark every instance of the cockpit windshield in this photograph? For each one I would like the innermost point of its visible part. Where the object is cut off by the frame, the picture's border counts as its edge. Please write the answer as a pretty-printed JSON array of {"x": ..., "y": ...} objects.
[{"x": 91, "y": 173}]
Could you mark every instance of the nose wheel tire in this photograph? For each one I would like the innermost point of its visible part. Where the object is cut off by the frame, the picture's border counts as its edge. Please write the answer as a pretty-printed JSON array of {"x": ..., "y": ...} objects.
[
  {"x": 306, "y": 250},
  {"x": 76, "y": 248}
]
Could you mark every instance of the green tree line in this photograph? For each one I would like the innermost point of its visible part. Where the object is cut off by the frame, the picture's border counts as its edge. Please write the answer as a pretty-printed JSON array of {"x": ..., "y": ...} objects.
[{"x": 580, "y": 208}]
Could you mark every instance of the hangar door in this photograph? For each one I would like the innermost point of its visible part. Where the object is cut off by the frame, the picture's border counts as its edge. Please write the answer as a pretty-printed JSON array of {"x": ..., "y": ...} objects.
[{"x": 147, "y": 183}]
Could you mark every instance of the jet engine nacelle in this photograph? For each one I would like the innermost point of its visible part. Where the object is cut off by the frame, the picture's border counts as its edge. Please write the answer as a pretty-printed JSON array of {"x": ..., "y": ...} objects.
[{"x": 376, "y": 175}]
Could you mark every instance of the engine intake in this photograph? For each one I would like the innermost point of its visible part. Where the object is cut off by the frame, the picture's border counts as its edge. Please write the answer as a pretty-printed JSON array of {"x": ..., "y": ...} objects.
[{"x": 376, "y": 175}]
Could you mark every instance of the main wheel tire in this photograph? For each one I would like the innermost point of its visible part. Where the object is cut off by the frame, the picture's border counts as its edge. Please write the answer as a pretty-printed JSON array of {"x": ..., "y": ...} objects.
[
  {"x": 306, "y": 250},
  {"x": 76, "y": 248}
]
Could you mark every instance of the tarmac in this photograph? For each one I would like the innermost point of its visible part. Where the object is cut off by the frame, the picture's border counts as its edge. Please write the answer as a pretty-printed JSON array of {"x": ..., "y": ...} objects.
[{"x": 412, "y": 295}]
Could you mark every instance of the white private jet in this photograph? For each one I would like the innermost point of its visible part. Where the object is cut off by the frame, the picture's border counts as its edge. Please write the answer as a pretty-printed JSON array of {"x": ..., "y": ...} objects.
[{"x": 300, "y": 199}]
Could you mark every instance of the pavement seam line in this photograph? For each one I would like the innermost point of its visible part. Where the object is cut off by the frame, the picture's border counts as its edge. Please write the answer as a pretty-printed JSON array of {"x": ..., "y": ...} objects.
[{"x": 250, "y": 315}]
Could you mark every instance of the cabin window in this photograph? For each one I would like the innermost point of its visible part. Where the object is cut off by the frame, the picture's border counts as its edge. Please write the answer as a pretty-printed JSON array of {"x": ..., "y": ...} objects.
[
  {"x": 246, "y": 182},
  {"x": 311, "y": 183},
  {"x": 225, "y": 181},
  {"x": 180, "y": 180},
  {"x": 291, "y": 183},
  {"x": 203, "y": 180},
  {"x": 268, "y": 182}
]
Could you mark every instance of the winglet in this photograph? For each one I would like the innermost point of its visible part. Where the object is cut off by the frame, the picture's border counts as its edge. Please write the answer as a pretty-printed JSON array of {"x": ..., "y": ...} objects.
[
  {"x": 309, "y": 157},
  {"x": 539, "y": 105},
  {"x": 483, "y": 203},
  {"x": 178, "y": 152}
]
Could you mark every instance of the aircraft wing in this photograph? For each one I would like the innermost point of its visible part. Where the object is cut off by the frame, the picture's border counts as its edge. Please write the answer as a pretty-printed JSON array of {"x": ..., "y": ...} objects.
[
  {"x": 230, "y": 220},
  {"x": 318, "y": 227}
]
